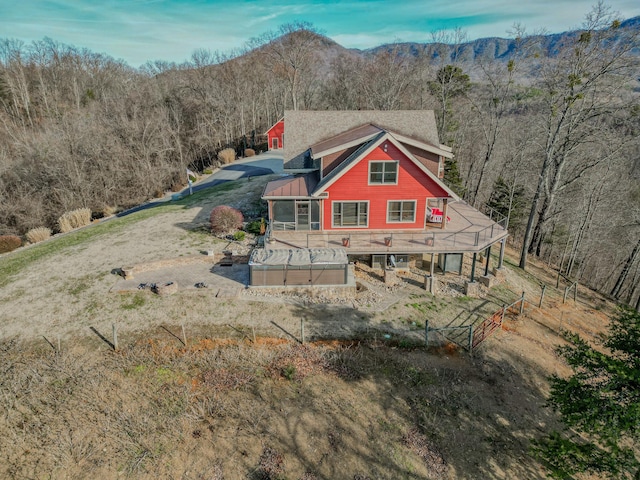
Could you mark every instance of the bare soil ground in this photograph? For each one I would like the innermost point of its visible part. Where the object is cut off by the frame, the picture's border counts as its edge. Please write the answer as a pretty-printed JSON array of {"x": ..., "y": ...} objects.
[{"x": 363, "y": 399}]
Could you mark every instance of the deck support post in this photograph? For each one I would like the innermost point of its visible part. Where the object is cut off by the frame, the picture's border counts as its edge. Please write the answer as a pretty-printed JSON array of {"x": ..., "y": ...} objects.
[
  {"x": 473, "y": 267},
  {"x": 486, "y": 267},
  {"x": 444, "y": 214},
  {"x": 432, "y": 266},
  {"x": 501, "y": 257}
]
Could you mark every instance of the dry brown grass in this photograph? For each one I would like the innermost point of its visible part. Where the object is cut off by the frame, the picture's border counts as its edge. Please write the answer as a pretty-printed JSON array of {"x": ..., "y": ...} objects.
[
  {"x": 232, "y": 409},
  {"x": 8, "y": 243},
  {"x": 39, "y": 234},
  {"x": 226, "y": 156},
  {"x": 249, "y": 152},
  {"x": 74, "y": 219}
]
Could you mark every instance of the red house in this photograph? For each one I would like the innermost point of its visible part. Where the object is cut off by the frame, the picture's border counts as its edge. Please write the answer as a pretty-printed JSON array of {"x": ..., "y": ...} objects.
[
  {"x": 275, "y": 136},
  {"x": 371, "y": 182}
]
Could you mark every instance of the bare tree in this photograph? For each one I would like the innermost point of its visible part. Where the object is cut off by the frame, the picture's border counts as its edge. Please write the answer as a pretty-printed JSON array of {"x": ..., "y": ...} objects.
[{"x": 578, "y": 88}]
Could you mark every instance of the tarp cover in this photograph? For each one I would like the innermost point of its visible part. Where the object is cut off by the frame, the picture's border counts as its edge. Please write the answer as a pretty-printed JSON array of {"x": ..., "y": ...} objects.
[{"x": 300, "y": 256}]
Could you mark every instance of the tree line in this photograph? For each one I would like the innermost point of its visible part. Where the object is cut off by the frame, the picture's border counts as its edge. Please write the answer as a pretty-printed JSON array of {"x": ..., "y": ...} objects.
[{"x": 548, "y": 138}]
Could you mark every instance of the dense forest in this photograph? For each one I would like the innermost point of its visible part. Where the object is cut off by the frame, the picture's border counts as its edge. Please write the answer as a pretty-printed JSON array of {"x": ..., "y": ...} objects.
[{"x": 545, "y": 131}]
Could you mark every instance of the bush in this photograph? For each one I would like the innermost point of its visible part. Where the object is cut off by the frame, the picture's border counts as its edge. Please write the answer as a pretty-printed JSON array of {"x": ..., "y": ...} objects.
[
  {"x": 208, "y": 171},
  {"x": 257, "y": 227},
  {"x": 8, "y": 243},
  {"x": 226, "y": 156},
  {"x": 74, "y": 219},
  {"x": 39, "y": 234},
  {"x": 238, "y": 236},
  {"x": 249, "y": 152},
  {"x": 225, "y": 219}
]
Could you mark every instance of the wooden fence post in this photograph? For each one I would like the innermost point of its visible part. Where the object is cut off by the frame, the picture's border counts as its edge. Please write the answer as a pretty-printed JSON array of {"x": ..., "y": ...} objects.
[
  {"x": 426, "y": 333},
  {"x": 575, "y": 291},
  {"x": 504, "y": 308},
  {"x": 115, "y": 337},
  {"x": 471, "y": 339},
  {"x": 302, "y": 329},
  {"x": 558, "y": 280},
  {"x": 184, "y": 336},
  {"x": 253, "y": 334},
  {"x": 566, "y": 292},
  {"x": 544, "y": 287},
  {"x": 522, "y": 304}
]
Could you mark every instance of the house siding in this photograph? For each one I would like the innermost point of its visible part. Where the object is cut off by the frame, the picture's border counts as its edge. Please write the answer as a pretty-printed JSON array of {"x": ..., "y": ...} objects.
[
  {"x": 331, "y": 161},
  {"x": 412, "y": 184},
  {"x": 277, "y": 131},
  {"x": 428, "y": 159}
]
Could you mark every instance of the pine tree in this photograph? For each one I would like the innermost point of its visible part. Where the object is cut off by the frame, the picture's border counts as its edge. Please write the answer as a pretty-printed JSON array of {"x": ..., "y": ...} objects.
[
  {"x": 508, "y": 200},
  {"x": 600, "y": 405}
]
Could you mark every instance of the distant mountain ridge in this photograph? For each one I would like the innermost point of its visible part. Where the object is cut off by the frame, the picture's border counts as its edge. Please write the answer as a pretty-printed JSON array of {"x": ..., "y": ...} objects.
[{"x": 490, "y": 48}]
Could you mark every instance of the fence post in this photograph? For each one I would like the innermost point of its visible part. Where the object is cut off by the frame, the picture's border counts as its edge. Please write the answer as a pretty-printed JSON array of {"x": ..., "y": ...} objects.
[
  {"x": 544, "y": 287},
  {"x": 504, "y": 307},
  {"x": 522, "y": 304},
  {"x": 184, "y": 336},
  {"x": 566, "y": 292},
  {"x": 115, "y": 337},
  {"x": 575, "y": 291},
  {"x": 426, "y": 333},
  {"x": 253, "y": 334},
  {"x": 471, "y": 339},
  {"x": 302, "y": 329}
]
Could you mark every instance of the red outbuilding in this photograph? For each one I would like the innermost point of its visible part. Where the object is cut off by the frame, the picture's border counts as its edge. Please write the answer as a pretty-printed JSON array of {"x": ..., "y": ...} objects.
[{"x": 275, "y": 135}]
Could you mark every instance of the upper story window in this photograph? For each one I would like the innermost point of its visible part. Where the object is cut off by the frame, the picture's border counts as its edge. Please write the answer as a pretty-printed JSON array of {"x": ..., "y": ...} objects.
[{"x": 383, "y": 172}]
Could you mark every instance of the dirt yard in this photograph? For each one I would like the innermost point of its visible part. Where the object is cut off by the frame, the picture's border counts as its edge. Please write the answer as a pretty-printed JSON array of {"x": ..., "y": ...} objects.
[{"x": 243, "y": 399}]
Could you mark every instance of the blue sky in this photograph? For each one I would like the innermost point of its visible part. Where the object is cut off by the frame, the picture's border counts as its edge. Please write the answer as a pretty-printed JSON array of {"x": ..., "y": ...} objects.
[{"x": 141, "y": 30}]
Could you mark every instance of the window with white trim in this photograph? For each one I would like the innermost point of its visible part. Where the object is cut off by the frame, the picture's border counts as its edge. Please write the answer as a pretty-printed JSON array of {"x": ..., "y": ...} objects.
[
  {"x": 383, "y": 172},
  {"x": 403, "y": 211},
  {"x": 350, "y": 214}
]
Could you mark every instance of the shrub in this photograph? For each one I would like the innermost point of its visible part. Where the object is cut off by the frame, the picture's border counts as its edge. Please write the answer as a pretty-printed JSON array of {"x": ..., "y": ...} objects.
[
  {"x": 177, "y": 186},
  {"x": 254, "y": 227},
  {"x": 225, "y": 219},
  {"x": 9, "y": 243},
  {"x": 108, "y": 210},
  {"x": 228, "y": 155},
  {"x": 39, "y": 234},
  {"x": 238, "y": 236},
  {"x": 249, "y": 152},
  {"x": 74, "y": 219},
  {"x": 208, "y": 171}
]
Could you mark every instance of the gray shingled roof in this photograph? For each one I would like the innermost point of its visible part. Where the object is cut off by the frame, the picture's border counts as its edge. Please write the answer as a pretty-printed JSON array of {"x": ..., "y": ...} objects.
[{"x": 304, "y": 128}]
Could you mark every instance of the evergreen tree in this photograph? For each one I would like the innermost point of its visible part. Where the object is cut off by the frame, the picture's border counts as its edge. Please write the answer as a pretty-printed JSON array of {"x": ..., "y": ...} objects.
[
  {"x": 509, "y": 200},
  {"x": 600, "y": 405},
  {"x": 452, "y": 176}
]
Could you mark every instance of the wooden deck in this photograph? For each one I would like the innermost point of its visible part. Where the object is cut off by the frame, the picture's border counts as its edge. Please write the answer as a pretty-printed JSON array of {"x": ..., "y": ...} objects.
[{"x": 468, "y": 231}]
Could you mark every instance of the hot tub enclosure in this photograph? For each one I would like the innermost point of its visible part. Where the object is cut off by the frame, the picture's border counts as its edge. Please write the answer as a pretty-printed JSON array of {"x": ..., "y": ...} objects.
[{"x": 300, "y": 266}]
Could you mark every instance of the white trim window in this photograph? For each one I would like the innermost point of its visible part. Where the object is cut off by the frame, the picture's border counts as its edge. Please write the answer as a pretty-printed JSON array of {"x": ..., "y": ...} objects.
[
  {"x": 350, "y": 214},
  {"x": 401, "y": 211},
  {"x": 383, "y": 172}
]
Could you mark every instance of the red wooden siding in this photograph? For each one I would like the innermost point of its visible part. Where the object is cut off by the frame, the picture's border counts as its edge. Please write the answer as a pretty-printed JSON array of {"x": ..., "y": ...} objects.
[
  {"x": 277, "y": 131},
  {"x": 413, "y": 184}
]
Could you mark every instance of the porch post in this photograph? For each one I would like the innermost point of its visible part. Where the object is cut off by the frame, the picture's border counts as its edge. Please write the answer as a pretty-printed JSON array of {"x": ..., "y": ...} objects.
[
  {"x": 486, "y": 267},
  {"x": 473, "y": 267},
  {"x": 444, "y": 214},
  {"x": 501, "y": 257},
  {"x": 432, "y": 267}
]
